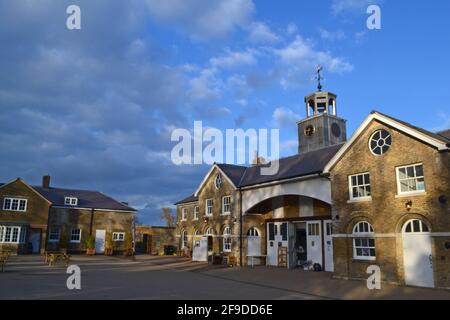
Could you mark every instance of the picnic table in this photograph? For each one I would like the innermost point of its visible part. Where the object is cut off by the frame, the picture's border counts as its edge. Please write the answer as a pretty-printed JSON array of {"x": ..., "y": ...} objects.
[{"x": 52, "y": 257}]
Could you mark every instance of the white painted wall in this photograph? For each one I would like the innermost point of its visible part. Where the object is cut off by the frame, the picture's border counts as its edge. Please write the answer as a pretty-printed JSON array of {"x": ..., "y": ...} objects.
[{"x": 317, "y": 188}]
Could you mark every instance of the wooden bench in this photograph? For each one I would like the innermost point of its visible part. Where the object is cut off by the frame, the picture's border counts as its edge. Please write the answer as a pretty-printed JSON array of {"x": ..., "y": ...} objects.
[{"x": 52, "y": 258}]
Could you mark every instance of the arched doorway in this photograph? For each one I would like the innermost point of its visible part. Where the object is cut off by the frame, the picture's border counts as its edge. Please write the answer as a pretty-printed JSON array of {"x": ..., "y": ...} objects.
[
  {"x": 210, "y": 235},
  {"x": 254, "y": 245},
  {"x": 417, "y": 254}
]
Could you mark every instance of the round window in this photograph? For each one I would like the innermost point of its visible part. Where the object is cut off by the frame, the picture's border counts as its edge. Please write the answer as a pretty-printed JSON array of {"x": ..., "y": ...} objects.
[
  {"x": 218, "y": 181},
  {"x": 310, "y": 130},
  {"x": 336, "y": 130},
  {"x": 380, "y": 142}
]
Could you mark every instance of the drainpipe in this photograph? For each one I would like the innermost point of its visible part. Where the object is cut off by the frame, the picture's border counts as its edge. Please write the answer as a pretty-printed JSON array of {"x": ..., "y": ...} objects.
[
  {"x": 240, "y": 228},
  {"x": 92, "y": 222}
]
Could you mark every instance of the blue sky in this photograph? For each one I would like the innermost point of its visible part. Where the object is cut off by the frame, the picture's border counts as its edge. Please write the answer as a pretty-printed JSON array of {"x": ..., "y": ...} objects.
[{"x": 95, "y": 108}]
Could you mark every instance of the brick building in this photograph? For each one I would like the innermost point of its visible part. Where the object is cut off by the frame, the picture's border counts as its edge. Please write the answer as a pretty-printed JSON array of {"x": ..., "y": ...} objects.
[
  {"x": 34, "y": 219},
  {"x": 380, "y": 198},
  {"x": 155, "y": 240},
  {"x": 390, "y": 188}
]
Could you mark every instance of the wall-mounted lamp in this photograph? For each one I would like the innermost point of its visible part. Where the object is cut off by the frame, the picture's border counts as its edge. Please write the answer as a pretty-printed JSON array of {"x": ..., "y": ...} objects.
[
  {"x": 408, "y": 205},
  {"x": 337, "y": 218},
  {"x": 442, "y": 199},
  {"x": 206, "y": 220}
]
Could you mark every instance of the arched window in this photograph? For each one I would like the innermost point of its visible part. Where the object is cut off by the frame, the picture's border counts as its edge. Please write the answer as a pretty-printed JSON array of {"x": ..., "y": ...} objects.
[
  {"x": 197, "y": 232},
  {"x": 210, "y": 232},
  {"x": 363, "y": 241},
  {"x": 184, "y": 239},
  {"x": 227, "y": 239},
  {"x": 253, "y": 232},
  {"x": 416, "y": 226}
]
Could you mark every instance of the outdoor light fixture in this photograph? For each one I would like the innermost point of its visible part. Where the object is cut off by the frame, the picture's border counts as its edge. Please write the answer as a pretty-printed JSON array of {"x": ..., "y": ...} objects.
[
  {"x": 442, "y": 199},
  {"x": 337, "y": 217},
  {"x": 408, "y": 205}
]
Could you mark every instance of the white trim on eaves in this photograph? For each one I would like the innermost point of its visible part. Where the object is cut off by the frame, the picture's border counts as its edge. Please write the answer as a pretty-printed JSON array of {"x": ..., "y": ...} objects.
[
  {"x": 207, "y": 177},
  {"x": 440, "y": 145},
  {"x": 388, "y": 235}
]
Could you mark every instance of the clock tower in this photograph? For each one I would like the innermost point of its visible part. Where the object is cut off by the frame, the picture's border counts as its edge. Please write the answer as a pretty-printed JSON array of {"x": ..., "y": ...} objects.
[{"x": 322, "y": 127}]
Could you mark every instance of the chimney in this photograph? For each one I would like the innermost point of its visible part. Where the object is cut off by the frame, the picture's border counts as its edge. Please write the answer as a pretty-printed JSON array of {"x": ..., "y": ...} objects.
[{"x": 46, "y": 181}]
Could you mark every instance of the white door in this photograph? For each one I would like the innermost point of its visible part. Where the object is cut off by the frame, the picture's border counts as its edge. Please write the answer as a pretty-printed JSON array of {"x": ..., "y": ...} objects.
[
  {"x": 277, "y": 237},
  {"x": 35, "y": 240},
  {"x": 417, "y": 254},
  {"x": 100, "y": 236},
  {"x": 328, "y": 239},
  {"x": 200, "y": 249},
  {"x": 254, "y": 246},
  {"x": 314, "y": 242}
]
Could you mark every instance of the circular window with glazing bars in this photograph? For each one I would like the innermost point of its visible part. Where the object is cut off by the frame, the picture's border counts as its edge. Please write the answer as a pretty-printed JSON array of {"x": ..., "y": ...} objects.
[{"x": 380, "y": 142}]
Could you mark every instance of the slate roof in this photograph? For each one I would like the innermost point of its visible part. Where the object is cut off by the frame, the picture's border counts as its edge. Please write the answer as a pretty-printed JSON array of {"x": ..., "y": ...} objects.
[
  {"x": 189, "y": 199},
  {"x": 86, "y": 199},
  {"x": 445, "y": 134},
  {"x": 291, "y": 167},
  {"x": 300, "y": 165}
]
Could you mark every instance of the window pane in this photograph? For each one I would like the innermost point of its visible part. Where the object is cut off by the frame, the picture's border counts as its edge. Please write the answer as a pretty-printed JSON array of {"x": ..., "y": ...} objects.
[
  {"x": 359, "y": 252},
  {"x": 360, "y": 180},
  {"x": 408, "y": 227},
  {"x": 419, "y": 171},
  {"x": 358, "y": 242},
  {"x": 402, "y": 173},
  {"x": 371, "y": 242},
  {"x": 410, "y": 172},
  {"x": 420, "y": 184},
  {"x": 372, "y": 252},
  {"x": 425, "y": 227},
  {"x": 416, "y": 226},
  {"x": 367, "y": 179},
  {"x": 15, "y": 204},
  {"x": 354, "y": 181},
  {"x": 389, "y": 140}
]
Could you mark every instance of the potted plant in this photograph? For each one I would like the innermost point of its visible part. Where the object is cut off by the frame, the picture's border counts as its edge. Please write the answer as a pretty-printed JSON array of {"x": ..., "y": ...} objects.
[
  {"x": 108, "y": 245},
  {"x": 90, "y": 245}
]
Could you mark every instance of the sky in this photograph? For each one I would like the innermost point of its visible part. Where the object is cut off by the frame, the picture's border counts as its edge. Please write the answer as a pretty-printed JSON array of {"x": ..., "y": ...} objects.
[{"x": 95, "y": 107}]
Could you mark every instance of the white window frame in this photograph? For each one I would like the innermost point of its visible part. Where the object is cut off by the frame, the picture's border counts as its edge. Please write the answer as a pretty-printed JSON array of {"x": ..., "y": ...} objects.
[
  {"x": 218, "y": 181},
  {"x": 19, "y": 238},
  {"x": 52, "y": 232},
  {"x": 399, "y": 186},
  {"x": 224, "y": 205},
  {"x": 196, "y": 213},
  {"x": 18, "y": 201},
  {"x": 184, "y": 214},
  {"x": 72, "y": 234},
  {"x": 227, "y": 239},
  {"x": 364, "y": 236},
  {"x": 364, "y": 185},
  {"x": 184, "y": 239},
  {"x": 71, "y": 201},
  {"x": 208, "y": 212},
  {"x": 118, "y": 236}
]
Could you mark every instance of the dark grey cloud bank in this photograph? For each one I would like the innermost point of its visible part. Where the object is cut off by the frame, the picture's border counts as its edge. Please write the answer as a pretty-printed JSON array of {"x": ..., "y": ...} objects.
[{"x": 93, "y": 108}]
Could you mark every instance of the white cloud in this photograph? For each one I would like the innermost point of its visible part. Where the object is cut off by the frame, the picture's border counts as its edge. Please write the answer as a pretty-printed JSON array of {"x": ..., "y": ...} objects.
[
  {"x": 332, "y": 35},
  {"x": 203, "y": 18},
  {"x": 292, "y": 28},
  {"x": 260, "y": 33},
  {"x": 283, "y": 117},
  {"x": 206, "y": 85},
  {"x": 299, "y": 58},
  {"x": 341, "y": 6},
  {"x": 232, "y": 59}
]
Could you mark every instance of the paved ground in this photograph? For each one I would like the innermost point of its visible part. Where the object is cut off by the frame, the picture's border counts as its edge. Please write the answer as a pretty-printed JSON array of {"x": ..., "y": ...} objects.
[{"x": 26, "y": 277}]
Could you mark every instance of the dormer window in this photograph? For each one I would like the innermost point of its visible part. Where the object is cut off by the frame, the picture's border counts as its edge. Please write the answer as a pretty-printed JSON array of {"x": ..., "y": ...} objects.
[{"x": 71, "y": 201}]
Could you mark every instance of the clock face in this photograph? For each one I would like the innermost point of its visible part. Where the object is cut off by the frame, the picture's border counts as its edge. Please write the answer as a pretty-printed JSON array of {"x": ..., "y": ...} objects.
[
  {"x": 336, "y": 130},
  {"x": 309, "y": 130}
]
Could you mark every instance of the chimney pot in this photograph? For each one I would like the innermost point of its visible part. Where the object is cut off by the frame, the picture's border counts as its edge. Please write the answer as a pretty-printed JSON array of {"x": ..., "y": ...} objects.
[{"x": 46, "y": 181}]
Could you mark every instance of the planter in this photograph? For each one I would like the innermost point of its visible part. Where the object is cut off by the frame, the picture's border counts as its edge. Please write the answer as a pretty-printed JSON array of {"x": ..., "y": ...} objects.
[{"x": 90, "y": 252}]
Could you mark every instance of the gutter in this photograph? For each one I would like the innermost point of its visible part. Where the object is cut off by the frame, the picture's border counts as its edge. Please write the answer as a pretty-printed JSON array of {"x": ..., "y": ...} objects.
[
  {"x": 267, "y": 184},
  {"x": 240, "y": 228}
]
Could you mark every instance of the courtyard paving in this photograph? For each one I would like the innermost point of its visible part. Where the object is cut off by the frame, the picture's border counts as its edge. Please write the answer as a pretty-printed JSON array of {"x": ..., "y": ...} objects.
[{"x": 174, "y": 278}]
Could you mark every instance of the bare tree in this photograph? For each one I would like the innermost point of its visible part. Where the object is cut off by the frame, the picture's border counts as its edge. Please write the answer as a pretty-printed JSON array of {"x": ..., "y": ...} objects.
[{"x": 169, "y": 217}]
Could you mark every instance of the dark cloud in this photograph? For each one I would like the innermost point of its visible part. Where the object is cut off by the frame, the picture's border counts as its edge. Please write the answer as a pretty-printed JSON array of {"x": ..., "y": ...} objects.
[{"x": 94, "y": 107}]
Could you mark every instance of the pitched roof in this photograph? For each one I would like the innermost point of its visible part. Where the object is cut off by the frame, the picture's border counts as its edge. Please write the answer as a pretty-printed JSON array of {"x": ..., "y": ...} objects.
[
  {"x": 296, "y": 166},
  {"x": 438, "y": 141},
  {"x": 299, "y": 165},
  {"x": 233, "y": 172},
  {"x": 437, "y": 136},
  {"x": 86, "y": 199},
  {"x": 445, "y": 134},
  {"x": 191, "y": 198}
]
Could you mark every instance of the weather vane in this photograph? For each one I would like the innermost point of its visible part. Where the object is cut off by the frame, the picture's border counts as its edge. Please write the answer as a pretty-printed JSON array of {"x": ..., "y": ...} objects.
[{"x": 319, "y": 77}]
